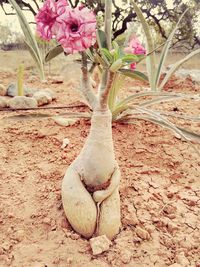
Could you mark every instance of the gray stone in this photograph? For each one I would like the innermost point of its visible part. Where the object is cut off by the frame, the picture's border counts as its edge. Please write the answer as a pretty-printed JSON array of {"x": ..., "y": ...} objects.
[
  {"x": 2, "y": 90},
  {"x": 50, "y": 92},
  {"x": 12, "y": 90},
  {"x": 194, "y": 74},
  {"x": 42, "y": 98},
  {"x": 3, "y": 102},
  {"x": 19, "y": 102}
]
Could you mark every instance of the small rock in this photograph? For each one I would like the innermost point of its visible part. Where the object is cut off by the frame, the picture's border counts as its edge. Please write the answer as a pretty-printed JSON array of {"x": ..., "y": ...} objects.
[
  {"x": 19, "y": 102},
  {"x": 19, "y": 235},
  {"x": 42, "y": 98},
  {"x": 50, "y": 92},
  {"x": 64, "y": 121},
  {"x": 131, "y": 219},
  {"x": 47, "y": 221},
  {"x": 13, "y": 91},
  {"x": 99, "y": 244},
  {"x": 125, "y": 256},
  {"x": 3, "y": 102},
  {"x": 142, "y": 233},
  {"x": 2, "y": 90},
  {"x": 6, "y": 246},
  {"x": 65, "y": 143},
  {"x": 75, "y": 236},
  {"x": 181, "y": 259}
]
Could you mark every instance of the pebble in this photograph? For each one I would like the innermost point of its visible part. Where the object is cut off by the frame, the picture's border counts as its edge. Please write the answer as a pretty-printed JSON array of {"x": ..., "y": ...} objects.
[
  {"x": 125, "y": 256},
  {"x": 50, "y": 92},
  {"x": 47, "y": 221},
  {"x": 64, "y": 121},
  {"x": 23, "y": 102},
  {"x": 181, "y": 259},
  {"x": 12, "y": 90},
  {"x": 2, "y": 90},
  {"x": 65, "y": 143},
  {"x": 131, "y": 219},
  {"x": 99, "y": 244},
  {"x": 42, "y": 98},
  {"x": 19, "y": 235},
  {"x": 142, "y": 233},
  {"x": 3, "y": 102}
]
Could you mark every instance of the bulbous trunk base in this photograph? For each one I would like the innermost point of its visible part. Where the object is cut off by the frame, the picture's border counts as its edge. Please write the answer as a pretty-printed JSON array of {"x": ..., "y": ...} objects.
[
  {"x": 90, "y": 193},
  {"x": 86, "y": 216}
]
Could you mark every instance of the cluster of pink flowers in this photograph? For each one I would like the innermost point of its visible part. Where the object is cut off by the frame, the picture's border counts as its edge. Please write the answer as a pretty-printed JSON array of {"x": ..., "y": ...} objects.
[
  {"x": 135, "y": 47},
  {"x": 73, "y": 28}
]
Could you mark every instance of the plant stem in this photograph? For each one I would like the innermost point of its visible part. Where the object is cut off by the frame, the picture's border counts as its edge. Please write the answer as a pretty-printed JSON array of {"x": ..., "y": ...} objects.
[
  {"x": 108, "y": 22},
  {"x": 86, "y": 86},
  {"x": 106, "y": 85},
  {"x": 20, "y": 80}
]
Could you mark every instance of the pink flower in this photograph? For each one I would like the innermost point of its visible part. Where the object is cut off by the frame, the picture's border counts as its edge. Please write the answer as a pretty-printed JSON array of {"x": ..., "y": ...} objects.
[
  {"x": 47, "y": 17},
  {"x": 77, "y": 29},
  {"x": 135, "y": 47}
]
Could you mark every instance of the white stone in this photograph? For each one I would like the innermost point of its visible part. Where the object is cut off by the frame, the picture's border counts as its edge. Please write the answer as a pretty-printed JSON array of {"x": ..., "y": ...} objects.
[
  {"x": 65, "y": 143},
  {"x": 22, "y": 102},
  {"x": 42, "y": 98},
  {"x": 3, "y": 102},
  {"x": 193, "y": 73},
  {"x": 99, "y": 244},
  {"x": 64, "y": 121},
  {"x": 50, "y": 92}
]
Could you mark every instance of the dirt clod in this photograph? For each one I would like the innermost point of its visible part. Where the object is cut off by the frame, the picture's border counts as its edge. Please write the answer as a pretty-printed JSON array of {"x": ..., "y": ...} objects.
[
  {"x": 99, "y": 244},
  {"x": 142, "y": 233}
]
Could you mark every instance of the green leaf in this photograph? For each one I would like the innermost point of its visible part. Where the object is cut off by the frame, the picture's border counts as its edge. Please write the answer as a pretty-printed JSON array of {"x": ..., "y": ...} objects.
[
  {"x": 159, "y": 100},
  {"x": 150, "y": 60},
  {"x": 116, "y": 65},
  {"x": 130, "y": 58},
  {"x": 176, "y": 66},
  {"x": 101, "y": 39},
  {"x": 30, "y": 38},
  {"x": 54, "y": 52},
  {"x": 107, "y": 54},
  {"x": 165, "y": 50},
  {"x": 134, "y": 74}
]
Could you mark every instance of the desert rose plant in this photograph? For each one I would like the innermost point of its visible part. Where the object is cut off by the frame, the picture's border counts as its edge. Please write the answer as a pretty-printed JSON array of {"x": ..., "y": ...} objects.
[{"x": 90, "y": 188}]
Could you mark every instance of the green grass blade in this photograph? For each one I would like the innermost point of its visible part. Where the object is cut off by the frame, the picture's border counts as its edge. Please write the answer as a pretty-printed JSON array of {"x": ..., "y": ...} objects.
[
  {"x": 150, "y": 60},
  {"x": 165, "y": 51},
  {"x": 176, "y": 66}
]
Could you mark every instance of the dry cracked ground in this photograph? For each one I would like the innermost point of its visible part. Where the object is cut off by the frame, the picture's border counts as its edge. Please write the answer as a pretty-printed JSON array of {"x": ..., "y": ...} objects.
[{"x": 160, "y": 186}]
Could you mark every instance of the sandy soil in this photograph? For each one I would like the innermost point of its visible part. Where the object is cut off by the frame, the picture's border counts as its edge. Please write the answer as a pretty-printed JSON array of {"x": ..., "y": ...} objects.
[{"x": 160, "y": 187}]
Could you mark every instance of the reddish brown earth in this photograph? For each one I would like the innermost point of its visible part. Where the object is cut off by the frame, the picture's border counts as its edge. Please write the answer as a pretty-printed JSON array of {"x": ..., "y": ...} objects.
[{"x": 160, "y": 187}]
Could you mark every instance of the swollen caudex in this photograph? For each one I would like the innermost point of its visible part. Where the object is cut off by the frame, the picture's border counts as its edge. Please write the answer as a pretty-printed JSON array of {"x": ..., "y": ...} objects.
[{"x": 98, "y": 213}]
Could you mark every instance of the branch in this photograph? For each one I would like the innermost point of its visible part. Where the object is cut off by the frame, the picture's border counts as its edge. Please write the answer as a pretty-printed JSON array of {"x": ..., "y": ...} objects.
[
  {"x": 106, "y": 85},
  {"x": 5, "y": 11},
  {"x": 86, "y": 86},
  {"x": 108, "y": 22}
]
